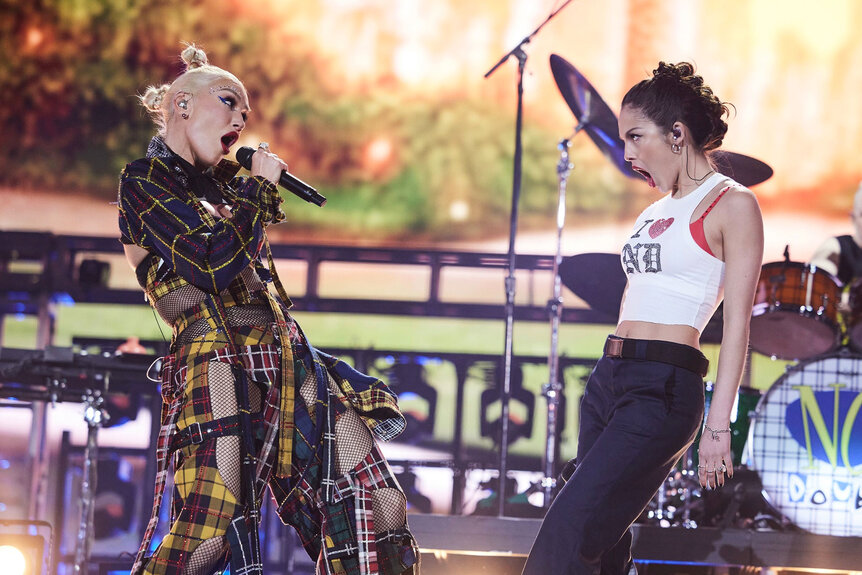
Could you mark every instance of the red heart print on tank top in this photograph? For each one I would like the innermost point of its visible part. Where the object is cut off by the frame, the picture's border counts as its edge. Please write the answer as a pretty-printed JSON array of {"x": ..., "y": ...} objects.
[{"x": 659, "y": 227}]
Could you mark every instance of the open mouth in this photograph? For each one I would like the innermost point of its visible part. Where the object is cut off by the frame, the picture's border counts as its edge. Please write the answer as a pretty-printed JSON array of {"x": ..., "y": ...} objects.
[
  {"x": 646, "y": 175},
  {"x": 228, "y": 140}
]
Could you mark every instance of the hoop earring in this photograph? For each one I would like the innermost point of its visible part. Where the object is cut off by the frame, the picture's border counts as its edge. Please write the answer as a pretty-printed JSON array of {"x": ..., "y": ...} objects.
[
  {"x": 675, "y": 148},
  {"x": 185, "y": 116}
]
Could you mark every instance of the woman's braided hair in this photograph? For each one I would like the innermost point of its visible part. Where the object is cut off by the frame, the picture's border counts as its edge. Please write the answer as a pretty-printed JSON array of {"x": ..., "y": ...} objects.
[{"x": 676, "y": 94}]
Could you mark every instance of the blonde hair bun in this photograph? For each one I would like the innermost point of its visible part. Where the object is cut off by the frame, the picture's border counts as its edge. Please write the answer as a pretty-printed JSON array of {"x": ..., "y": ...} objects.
[
  {"x": 194, "y": 57},
  {"x": 153, "y": 96}
]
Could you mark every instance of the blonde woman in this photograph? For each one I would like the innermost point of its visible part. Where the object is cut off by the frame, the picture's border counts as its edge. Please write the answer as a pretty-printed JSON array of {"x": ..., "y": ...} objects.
[{"x": 248, "y": 403}]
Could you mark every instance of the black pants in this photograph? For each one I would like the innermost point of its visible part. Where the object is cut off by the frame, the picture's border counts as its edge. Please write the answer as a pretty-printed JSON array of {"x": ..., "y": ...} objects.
[{"x": 637, "y": 418}]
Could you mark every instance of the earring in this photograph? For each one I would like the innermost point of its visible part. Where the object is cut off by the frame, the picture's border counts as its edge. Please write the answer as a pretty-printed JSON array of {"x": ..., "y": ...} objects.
[
  {"x": 183, "y": 105},
  {"x": 186, "y": 117},
  {"x": 675, "y": 147}
]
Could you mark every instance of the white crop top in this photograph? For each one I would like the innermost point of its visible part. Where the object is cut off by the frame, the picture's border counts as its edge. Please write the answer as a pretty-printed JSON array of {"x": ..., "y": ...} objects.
[{"x": 671, "y": 279}]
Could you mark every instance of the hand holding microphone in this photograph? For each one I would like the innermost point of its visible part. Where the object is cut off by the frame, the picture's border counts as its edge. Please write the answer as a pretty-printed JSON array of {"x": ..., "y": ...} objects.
[
  {"x": 286, "y": 180},
  {"x": 266, "y": 164}
]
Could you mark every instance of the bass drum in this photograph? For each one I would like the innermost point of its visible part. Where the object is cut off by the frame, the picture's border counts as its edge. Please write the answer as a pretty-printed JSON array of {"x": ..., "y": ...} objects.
[{"x": 806, "y": 444}]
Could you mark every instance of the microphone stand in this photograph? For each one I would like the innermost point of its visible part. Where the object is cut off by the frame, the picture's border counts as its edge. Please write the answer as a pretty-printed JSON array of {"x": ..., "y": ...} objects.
[
  {"x": 509, "y": 284},
  {"x": 554, "y": 387}
]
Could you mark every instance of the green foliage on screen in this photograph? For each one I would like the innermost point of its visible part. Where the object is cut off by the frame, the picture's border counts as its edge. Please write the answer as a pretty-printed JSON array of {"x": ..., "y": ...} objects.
[{"x": 71, "y": 72}]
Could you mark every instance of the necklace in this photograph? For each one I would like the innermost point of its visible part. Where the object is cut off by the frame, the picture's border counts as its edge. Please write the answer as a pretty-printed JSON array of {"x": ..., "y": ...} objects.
[
  {"x": 705, "y": 176},
  {"x": 699, "y": 181}
]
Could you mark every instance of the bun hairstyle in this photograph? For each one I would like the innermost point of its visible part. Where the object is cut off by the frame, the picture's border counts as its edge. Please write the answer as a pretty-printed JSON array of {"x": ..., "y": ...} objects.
[
  {"x": 676, "y": 94},
  {"x": 198, "y": 74}
]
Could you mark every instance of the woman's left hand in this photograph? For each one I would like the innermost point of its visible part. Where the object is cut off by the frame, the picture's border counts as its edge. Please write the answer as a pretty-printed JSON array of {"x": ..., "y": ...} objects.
[{"x": 715, "y": 462}]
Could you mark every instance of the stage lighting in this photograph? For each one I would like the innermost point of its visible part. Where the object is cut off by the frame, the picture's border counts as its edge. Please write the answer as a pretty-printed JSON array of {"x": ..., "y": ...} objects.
[
  {"x": 13, "y": 560},
  {"x": 22, "y": 554},
  {"x": 25, "y": 547}
]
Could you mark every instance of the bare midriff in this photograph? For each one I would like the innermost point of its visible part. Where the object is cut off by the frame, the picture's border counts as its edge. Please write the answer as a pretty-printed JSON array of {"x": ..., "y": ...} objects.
[{"x": 684, "y": 334}]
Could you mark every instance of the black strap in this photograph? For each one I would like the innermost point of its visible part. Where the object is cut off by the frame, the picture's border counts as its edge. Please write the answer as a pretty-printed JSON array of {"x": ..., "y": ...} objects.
[
  {"x": 199, "y": 432},
  {"x": 669, "y": 352}
]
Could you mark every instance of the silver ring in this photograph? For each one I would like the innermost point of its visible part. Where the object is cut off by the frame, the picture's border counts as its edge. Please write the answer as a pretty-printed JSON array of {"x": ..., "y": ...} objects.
[
  {"x": 701, "y": 466},
  {"x": 263, "y": 146},
  {"x": 710, "y": 470},
  {"x": 723, "y": 468}
]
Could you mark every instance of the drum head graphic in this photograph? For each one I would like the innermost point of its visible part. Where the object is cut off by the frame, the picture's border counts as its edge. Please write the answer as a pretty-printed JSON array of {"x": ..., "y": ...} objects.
[{"x": 806, "y": 445}]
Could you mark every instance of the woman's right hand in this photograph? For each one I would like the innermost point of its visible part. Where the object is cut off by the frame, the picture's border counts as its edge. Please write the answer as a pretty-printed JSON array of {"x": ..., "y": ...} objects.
[{"x": 267, "y": 165}]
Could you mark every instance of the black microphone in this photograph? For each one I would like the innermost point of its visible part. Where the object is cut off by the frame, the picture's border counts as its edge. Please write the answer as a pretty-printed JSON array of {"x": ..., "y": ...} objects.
[{"x": 287, "y": 181}]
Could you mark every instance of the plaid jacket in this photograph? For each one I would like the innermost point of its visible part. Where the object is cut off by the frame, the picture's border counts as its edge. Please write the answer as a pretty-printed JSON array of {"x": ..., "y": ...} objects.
[{"x": 161, "y": 212}]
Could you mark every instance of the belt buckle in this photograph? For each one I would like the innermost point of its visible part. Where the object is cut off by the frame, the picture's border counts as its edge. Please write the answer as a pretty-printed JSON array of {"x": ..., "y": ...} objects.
[
  {"x": 196, "y": 434},
  {"x": 614, "y": 347}
]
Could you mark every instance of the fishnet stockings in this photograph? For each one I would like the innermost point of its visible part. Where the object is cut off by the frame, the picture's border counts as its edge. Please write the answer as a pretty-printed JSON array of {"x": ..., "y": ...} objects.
[
  {"x": 220, "y": 380},
  {"x": 251, "y": 279},
  {"x": 204, "y": 557},
  {"x": 177, "y": 301},
  {"x": 172, "y": 304},
  {"x": 353, "y": 441},
  {"x": 236, "y": 316},
  {"x": 390, "y": 509},
  {"x": 223, "y": 401}
]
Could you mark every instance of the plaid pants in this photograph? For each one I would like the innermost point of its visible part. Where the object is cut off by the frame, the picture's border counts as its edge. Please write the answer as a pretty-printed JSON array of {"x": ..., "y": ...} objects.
[{"x": 332, "y": 515}]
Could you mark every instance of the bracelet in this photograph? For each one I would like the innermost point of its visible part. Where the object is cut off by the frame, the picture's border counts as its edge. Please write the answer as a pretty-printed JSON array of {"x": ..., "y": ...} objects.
[{"x": 715, "y": 432}]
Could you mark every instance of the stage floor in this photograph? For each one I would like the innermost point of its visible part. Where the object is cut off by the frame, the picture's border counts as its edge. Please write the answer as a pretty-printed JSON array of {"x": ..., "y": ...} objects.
[{"x": 704, "y": 545}]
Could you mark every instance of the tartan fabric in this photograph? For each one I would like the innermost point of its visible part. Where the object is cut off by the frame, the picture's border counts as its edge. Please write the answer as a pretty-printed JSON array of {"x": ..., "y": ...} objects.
[
  {"x": 203, "y": 509},
  {"x": 372, "y": 398},
  {"x": 287, "y": 403},
  {"x": 338, "y": 528},
  {"x": 170, "y": 409},
  {"x": 371, "y": 473},
  {"x": 186, "y": 402},
  {"x": 397, "y": 551},
  {"x": 242, "y": 561},
  {"x": 341, "y": 528},
  {"x": 160, "y": 211}
]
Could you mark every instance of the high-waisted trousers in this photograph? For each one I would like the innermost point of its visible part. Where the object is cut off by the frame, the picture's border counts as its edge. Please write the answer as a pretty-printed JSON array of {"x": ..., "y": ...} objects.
[{"x": 637, "y": 418}]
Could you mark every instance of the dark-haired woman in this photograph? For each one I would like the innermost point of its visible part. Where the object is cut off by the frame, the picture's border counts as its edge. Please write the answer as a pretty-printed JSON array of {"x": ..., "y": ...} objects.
[
  {"x": 643, "y": 404},
  {"x": 196, "y": 237}
]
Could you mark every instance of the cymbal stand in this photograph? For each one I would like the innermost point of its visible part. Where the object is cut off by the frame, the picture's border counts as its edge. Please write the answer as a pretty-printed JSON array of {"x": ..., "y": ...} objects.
[
  {"x": 554, "y": 387},
  {"x": 509, "y": 283},
  {"x": 94, "y": 415}
]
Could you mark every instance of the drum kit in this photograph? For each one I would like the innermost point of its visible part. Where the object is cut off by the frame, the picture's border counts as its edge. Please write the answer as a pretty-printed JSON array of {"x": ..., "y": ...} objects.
[{"x": 797, "y": 448}]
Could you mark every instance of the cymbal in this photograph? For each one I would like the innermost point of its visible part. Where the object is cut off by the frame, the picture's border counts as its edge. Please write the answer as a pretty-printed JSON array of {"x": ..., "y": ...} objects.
[
  {"x": 596, "y": 278},
  {"x": 593, "y": 115},
  {"x": 746, "y": 170}
]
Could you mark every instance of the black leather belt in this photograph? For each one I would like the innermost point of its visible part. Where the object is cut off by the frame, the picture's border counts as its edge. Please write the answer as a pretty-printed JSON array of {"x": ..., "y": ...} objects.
[
  {"x": 199, "y": 432},
  {"x": 676, "y": 354}
]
